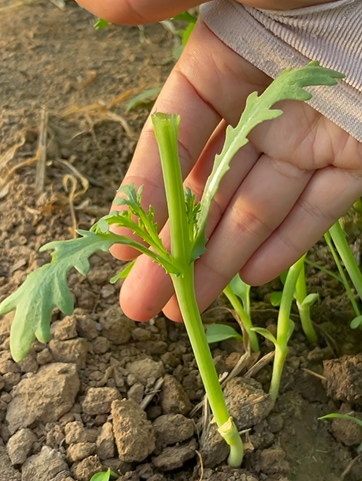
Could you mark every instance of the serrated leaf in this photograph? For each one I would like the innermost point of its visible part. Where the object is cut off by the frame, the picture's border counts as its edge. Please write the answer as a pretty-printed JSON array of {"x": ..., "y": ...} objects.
[
  {"x": 289, "y": 85},
  {"x": 265, "y": 333},
  {"x": 46, "y": 288},
  {"x": 220, "y": 332},
  {"x": 276, "y": 298},
  {"x": 242, "y": 291},
  {"x": 310, "y": 299},
  {"x": 357, "y": 322}
]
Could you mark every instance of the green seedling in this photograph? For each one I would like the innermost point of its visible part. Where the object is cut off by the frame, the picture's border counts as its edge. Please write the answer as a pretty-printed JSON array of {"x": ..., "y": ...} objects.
[
  {"x": 142, "y": 98},
  {"x": 104, "y": 476},
  {"x": 238, "y": 294},
  {"x": 336, "y": 235},
  {"x": 47, "y": 287},
  {"x": 303, "y": 300},
  {"x": 285, "y": 328},
  {"x": 185, "y": 33},
  {"x": 347, "y": 417}
]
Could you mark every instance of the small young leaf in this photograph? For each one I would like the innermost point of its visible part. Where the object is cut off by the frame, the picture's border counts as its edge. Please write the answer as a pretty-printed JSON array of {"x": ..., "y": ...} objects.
[
  {"x": 265, "y": 333},
  {"x": 185, "y": 17},
  {"x": 242, "y": 291},
  {"x": 220, "y": 332},
  {"x": 310, "y": 300},
  {"x": 291, "y": 328},
  {"x": 100, "y": 24},
  {"x": 357, "y": 322},
  {"x": 104, "y": 476},
  {"x": 276, "y": 298},
  {"x": 145, "y": 96},
  {"x": 123, "y": 273}
]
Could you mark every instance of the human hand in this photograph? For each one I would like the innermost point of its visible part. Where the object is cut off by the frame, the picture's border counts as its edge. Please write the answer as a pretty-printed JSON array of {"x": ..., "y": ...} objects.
[{"x": 295, "y": 178}]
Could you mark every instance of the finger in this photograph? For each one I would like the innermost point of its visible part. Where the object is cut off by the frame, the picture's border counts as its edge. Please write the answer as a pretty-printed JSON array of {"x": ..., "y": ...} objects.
[
  {"x": 263, "y": 200},
  {"x": 209, "y": 82},
  {"x": 147, "y": 288},
  {"x": 327, "y": 197},
  {"x": 136, "y": 12}
]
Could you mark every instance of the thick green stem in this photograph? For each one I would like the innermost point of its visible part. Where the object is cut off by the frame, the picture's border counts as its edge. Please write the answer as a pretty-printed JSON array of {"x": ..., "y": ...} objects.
[
  {"x": 185, "y": 293},
  {"x": 166, "y": 127},
  {"x": 285, "y": 327},
  {"x": 303, "y": 308},
  {"x": 346, "y": 255},
  {"x": 244, "y": 318}
]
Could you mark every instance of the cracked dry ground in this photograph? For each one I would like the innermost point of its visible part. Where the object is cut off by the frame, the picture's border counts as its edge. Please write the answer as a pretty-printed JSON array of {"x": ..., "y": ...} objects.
[{"x": 107, "y": 392}]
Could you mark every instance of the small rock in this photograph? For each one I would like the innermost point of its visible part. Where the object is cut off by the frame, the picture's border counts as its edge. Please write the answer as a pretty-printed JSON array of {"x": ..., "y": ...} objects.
[
  {"x": 7, "y": 472},
  {"x": 174, "y": 457},
  {"x": 55, "y": 437},
  {"x": 136, "y": 392},
  {"x": 29, "y": 363},
  {"x": 75, "y": 432},
  {"x": 11, "y": 379},
  {"x": 98, "y": 400},
  {"x": 247, "y": 402},
  {"x": 72, "y": 351},
  {"x": 344, "y": 379},
  {"x": 44, "y": 397},
  {"x": 172, "y": 428},
  {"x": 86, "y": 327},
  {"x": 174, "y": 399},
  {"x": 100, "y": 345},
  {"x": 213, "y": 448},
  {"x": 44, "y": 466},
  {"x": 44, "y": 357},
  {"x": 77, "y": 452},
  {"x": 105, "y": 442},
  {"x": 19, "y": 446},
  {"x": 133, "y": 432},
  {"x": 140, "y": 334},
  {"x": 7, "y": 366},
  {"x": 146, "y": 369},
  {"x": 116, "y": 327},
  {"x": 84, "y": 470},
  {"x": 273, "y": 461},
  {"x": 65, "y": 329}
]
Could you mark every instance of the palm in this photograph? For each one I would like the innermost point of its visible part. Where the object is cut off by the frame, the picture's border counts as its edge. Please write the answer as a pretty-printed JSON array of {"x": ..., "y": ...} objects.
[{"x": 296, "y": 176}]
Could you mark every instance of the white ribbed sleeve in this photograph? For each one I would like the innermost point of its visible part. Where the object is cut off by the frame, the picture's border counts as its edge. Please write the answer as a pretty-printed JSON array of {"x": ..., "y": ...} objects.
[{"x": 274, "y": 40}]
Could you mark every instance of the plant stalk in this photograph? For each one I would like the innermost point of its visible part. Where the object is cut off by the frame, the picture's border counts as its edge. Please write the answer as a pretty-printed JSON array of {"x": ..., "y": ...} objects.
[
  {"x": 285, "y": 327},
  {"x": 166, "y": 129},
  {"x": 303, "y": 308},
  {"x": 346, "y": 255}
]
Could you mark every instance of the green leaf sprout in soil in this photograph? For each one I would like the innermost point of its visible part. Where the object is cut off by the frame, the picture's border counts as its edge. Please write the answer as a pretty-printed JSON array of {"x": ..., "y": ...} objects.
[
  {"x": 47, "y": 287},
  {"x": 104, "y": 476},
  {"x": 346, "y": 417}
]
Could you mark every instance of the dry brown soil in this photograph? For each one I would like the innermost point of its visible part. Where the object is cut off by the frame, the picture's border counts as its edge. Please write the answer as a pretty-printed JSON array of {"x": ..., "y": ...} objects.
[{"x": 72, "y": 408}]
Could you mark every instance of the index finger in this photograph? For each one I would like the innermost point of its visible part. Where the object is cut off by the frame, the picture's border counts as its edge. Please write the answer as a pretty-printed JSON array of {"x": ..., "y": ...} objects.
[{"x": 136, "y": 12}]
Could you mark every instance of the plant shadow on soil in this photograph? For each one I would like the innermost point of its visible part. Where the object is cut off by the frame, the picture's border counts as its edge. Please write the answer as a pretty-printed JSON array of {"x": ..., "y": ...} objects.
[{"x": 61, "y": 411}]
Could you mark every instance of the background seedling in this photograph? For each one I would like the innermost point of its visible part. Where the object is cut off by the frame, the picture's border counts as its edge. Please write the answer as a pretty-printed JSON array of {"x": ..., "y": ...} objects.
[
  {"x": 47, "y": 287},
  {"x": 347, "y": 418}
]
